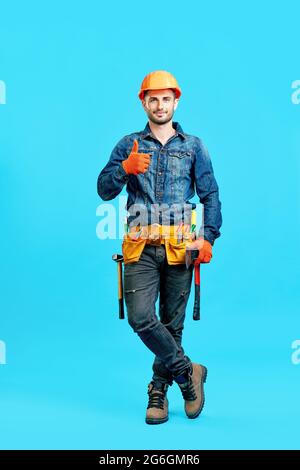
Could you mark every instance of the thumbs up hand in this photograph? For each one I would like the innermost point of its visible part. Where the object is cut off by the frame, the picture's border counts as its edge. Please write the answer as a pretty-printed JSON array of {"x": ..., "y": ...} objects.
[{"x": 136, "y": 162}]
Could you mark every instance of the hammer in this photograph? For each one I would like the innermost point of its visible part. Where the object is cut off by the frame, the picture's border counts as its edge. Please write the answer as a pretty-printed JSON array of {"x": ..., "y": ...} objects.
[
  {"x": 119, "y": 260},
  {"x": 190, "y": 257}
]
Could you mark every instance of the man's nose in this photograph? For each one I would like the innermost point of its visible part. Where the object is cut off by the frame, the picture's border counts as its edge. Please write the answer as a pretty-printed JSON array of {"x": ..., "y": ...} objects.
[{"x": 160, "y": 104}]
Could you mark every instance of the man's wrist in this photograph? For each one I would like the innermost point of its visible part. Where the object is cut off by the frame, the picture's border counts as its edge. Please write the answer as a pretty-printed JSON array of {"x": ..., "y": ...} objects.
[
  {"x": 121, "y": 173},
  {"x": 203, "y": 239},
  {"x": 124, "y": 166},
  {"x": 209, "y": 239}
]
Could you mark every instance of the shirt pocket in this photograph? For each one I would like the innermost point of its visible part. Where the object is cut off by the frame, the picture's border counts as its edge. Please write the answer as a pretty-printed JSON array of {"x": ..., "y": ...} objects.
[
  {"x": 180, "y": 162},
  {"x": 142, "y": 149}
]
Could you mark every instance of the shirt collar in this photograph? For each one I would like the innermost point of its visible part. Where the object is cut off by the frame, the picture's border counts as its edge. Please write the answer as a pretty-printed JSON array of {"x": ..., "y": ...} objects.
[{"x": 147, "y": 131}]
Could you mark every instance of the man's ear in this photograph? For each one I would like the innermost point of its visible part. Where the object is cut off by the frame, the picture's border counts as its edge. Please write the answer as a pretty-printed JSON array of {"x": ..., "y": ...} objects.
[
  {"x": 176, "y": 101},
  {"x": 144, "y": 104}
]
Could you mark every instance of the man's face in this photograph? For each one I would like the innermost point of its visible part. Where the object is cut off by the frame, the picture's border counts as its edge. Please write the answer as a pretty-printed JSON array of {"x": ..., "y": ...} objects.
[{"x": 160, "y": 105}]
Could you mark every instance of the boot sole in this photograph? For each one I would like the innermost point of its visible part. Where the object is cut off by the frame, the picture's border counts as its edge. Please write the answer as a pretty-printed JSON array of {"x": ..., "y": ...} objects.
[
  {"x": 156, "y": 421},
  {"x": 203, "y": 380}
]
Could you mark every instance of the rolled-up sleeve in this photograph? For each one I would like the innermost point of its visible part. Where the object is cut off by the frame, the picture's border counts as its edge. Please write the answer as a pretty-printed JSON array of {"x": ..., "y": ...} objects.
[
  {"x": 208, "y": 192},
  {"x": 113, "y": 177}
]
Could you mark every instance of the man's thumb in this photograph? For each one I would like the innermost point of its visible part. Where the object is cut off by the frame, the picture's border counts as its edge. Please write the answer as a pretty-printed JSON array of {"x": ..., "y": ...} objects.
[{"x": 135, "y": 147}]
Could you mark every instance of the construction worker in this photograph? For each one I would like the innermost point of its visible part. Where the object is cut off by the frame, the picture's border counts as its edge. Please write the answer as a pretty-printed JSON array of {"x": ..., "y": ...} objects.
[{"x": 162, "y": 167}]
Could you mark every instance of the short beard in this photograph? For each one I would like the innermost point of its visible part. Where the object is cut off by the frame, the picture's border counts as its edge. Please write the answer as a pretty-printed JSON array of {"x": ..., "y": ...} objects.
[{"x": 160, "y": 122}]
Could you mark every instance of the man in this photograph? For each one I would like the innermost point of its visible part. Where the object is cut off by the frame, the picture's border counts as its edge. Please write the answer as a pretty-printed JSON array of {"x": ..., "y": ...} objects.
[{"x": 162, "y": 167}]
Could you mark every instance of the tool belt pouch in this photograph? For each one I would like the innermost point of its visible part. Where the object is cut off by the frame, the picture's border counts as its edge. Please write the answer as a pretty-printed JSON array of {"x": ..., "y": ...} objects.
[
  {"x": 132, "y": 249},
  {"x": 176, "y": 251}
]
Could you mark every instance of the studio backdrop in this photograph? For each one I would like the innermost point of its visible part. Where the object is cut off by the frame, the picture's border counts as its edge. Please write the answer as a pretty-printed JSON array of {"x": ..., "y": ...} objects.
[{"x": 72, "y": 375}]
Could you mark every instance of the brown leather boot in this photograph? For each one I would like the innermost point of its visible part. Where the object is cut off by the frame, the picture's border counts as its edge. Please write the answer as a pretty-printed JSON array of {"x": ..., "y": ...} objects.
[
  {"x": 157, "y": 409},
  {"x": 192, "y": 388}
]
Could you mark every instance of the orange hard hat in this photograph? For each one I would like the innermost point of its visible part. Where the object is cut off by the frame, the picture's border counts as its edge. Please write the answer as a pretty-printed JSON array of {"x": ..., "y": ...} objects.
[{"x": 159, "y": 80}]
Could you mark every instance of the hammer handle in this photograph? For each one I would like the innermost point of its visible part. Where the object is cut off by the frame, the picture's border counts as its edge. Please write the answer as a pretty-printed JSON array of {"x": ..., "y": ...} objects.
[
  {"x": 120, "y": 292},
  {"x": 196, "y": 311}
]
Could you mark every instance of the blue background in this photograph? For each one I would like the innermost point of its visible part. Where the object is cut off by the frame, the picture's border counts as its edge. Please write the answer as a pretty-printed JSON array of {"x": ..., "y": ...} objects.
[{"x": 76, "y": 376}]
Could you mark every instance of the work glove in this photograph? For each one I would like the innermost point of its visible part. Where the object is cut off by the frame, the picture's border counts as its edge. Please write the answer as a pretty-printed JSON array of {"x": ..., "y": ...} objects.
[
  {"x": 205, "y": 250},
  {"x": 136, "y": 162}
]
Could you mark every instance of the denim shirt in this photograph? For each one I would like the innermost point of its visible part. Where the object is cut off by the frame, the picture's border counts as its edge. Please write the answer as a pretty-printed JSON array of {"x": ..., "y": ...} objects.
[{"x": 177, "y": 168}]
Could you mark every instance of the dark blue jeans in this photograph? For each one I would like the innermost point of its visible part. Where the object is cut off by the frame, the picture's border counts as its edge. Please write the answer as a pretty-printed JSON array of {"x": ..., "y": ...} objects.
[{"x": 143, "y": 281}]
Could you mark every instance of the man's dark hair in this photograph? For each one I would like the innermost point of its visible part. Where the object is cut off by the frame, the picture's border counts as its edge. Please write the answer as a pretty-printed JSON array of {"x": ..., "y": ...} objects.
[{"x": 174, "y": 93}]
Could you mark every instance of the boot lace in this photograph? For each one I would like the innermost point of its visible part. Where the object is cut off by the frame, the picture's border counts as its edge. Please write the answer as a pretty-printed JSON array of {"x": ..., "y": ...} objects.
[
  {"x": 188, "y": 391},
  {"x": 156, "y": 398}
]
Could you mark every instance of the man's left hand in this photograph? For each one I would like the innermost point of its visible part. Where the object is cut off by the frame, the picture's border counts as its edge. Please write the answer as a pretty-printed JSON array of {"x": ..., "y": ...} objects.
[{"x": 205, "y": 250}]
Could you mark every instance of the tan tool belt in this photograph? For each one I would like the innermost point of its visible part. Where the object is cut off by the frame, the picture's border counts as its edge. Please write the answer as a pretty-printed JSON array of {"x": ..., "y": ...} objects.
[{"x": 174, "y": 237}]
